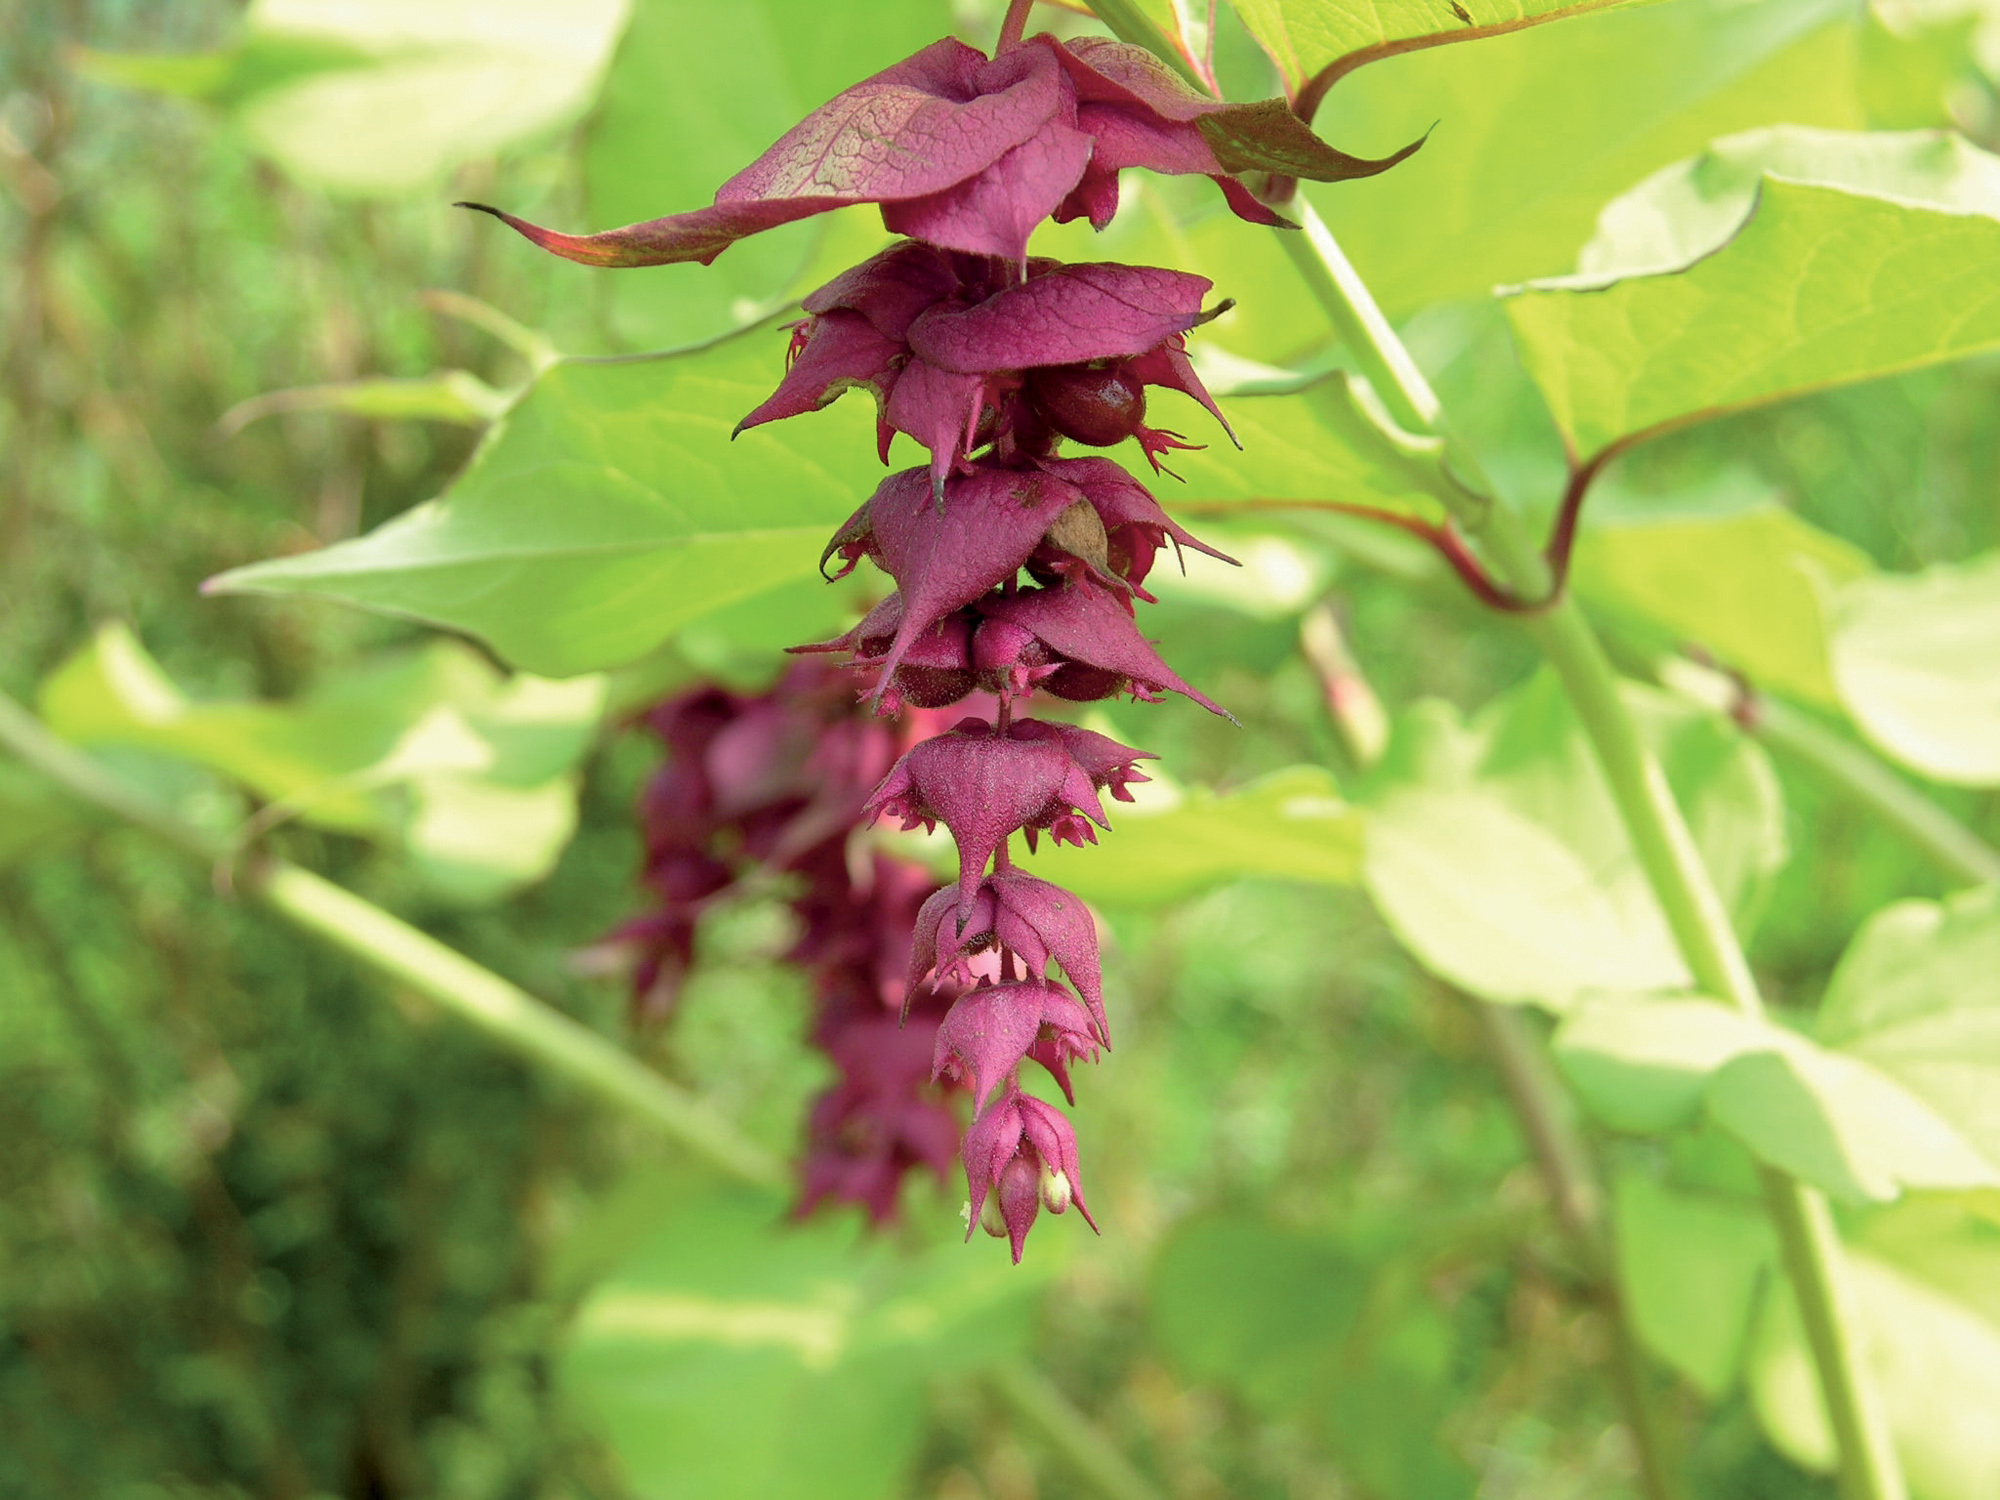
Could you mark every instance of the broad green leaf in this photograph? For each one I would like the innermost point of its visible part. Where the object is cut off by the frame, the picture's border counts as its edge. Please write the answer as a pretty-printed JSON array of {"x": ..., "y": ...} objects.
[
  {"x": 1748, "y": 586},
  {"x": 1537, "y": 132},
  {"x": 1644, "y": 1065},
  {"x": 1694, "y": 1268},
  {"x": 698, "y": 91},
  {"x": 1926, "y": 1319},
  {"x": 1701, "y": 1278},
  {"x": 1328, "y": 442},
  {"x": 1172, "y": 843},
  {"x": 734, "y": 1356},
  {"x": 1305, "y": 1329},
  {"x": 1496, "y": 855},
  {"x": 448, "y": 396},
  {"x": 381, "y": 98},
  {"x": 1304, "y": 37},
  {"x": 1917, "y": 995},
  {"x": 1917, "y": 661},
  {"x": 469, "y": 774},
  {"x": 1911, "y": 65},
  {"x": 608, "y": 510},
  {"x": 1840, "y": 1119},
  {"x": 1841, "y": 1125},
  {"x": 1820, "y": 288},
  {"x": 1694, "y": 207}
]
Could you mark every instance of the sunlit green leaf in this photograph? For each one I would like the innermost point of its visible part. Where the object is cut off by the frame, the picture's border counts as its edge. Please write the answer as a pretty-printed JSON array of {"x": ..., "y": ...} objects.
[
  {"x": 377, "y": 97},
  {"x": 1899, "y": 1094},
  {"x": 727, "y": 1359},
  {"x": 1694, "y": 207},
  {"x": 469, "y": 773},
  {"x": 1496, "y": 855},
  {"x": 1644, "y": 1065},
  {"x": 609, "y": 509},
  {"x": 1841, "y": 1125},
  {"x": 1306, "y": 36},
  {"x": 1694, "y": 1268},
  {"x": 1748, "y": 586},
  {"x": 1917, "y": 660},
  {"x": 1917, "y": 994},
  {"x": 1537, "y": 132},
  {"x": 1821, "y": 287},
  {"x": 1172, "y": 844},
  {"x": 1926, "y": 1319}
]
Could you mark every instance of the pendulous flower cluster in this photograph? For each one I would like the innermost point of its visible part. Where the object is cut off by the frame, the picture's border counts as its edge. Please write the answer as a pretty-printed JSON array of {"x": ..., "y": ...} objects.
[{"x": 1017, "y": 569}]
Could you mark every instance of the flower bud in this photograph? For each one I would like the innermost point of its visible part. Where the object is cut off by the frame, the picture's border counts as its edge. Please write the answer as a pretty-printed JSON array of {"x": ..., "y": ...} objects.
[{"x": 1056, "y": 1190}]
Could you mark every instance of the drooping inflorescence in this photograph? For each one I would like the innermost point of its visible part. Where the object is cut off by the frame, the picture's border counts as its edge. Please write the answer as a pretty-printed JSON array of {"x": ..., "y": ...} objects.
[{"x": 1016, "y": 569}]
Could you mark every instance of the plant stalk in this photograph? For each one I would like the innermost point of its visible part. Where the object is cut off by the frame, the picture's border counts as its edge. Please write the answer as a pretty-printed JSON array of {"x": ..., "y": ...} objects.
[
  {"x": 1868, "y": 1467},
  {"x": 1039, "y": 1406},
  {"x": 507, "y": 1014},
  {"x": 1955, "y": 849}
]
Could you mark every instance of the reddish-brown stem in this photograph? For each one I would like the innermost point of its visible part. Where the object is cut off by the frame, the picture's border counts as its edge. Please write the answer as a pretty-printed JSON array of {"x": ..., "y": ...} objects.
[
  {"x": 1015, "y": 26},
  {"x": 1441, "y": 535},
  {"x": 1562, "y": 536}
]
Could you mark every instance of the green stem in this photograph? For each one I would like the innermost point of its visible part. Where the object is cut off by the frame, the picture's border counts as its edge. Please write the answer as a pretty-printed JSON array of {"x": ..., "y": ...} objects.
[
  {"x": 1039, "y": 1406},
  {"x": 531, "y": 1030},
  {"x": 1547, "y": 1121},
  {"x": 1956, "y": 850},
  {"x": 506, "y": 1013},
  {"x": 1666, "y": 851},
  {"x": 1128, "y": 23}
]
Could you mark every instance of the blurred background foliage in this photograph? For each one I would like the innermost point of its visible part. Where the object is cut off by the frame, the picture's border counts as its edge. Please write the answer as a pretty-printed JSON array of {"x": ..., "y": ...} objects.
[{"x": 270, "y": 1228}]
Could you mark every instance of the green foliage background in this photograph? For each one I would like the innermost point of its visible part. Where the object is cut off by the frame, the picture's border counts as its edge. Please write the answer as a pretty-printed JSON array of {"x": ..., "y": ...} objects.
[{"x": 270, "y": 1227}]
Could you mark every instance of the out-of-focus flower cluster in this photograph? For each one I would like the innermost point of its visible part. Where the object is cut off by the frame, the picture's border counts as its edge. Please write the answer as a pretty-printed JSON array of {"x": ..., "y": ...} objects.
[{"x": 767, "y": 790}]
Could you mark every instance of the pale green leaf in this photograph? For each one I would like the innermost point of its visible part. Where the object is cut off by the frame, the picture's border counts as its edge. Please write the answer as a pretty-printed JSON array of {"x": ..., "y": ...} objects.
[
  {"x": 732, "y": 1353},
  {"x": 1747, "y": 586},
  {"x": 1305, "y": 37},
  {"x": 1840, "y": 1124},
  {"x": 1820, "y": 288},
  {"x": 1644, "y": 1065},
  {"x": 1693, "y": 1268},
  {"x": 1917, "y": 995},
  {"x": 608, "y": 510},
  {"x": 1905, "y": 1102},
  {"x": 1308, "y": 1330},
  {"x": 1917, "y": 661},
  {"x": 1170, "y": 843},
  {"x": 1328, "y": 442},
  {"x": 1931, "y": 1345},
  {"x": 1692, "y": 208},
  {"x": 378, "y": 97},
  {"x": 471, "y": 775},
  {"x": 1537, "y": 132},
  {"x": 1496, "y": 855},
  {"x": 447, "y": 81}
]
